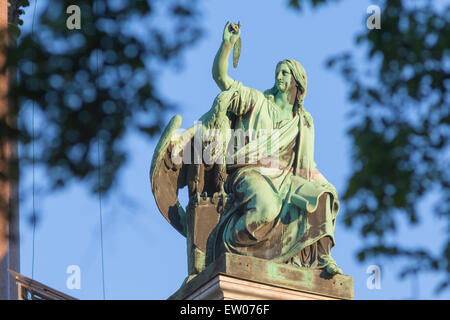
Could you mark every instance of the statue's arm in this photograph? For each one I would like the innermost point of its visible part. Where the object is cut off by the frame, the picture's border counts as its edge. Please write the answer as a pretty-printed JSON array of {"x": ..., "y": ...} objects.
[{"x": 220, "y": 65}]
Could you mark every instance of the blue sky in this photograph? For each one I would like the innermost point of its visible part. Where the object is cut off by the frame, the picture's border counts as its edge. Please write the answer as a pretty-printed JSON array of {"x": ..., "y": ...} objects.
[{"x": 144, "y": 257}]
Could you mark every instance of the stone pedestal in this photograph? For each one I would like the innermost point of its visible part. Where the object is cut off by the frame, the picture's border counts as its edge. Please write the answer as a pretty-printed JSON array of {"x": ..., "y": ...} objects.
[{"x": 235, "y": 277}]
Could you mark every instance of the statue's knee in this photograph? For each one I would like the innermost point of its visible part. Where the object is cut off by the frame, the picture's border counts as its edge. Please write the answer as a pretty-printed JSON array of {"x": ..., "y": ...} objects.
[{"x": 269, "y": 207}]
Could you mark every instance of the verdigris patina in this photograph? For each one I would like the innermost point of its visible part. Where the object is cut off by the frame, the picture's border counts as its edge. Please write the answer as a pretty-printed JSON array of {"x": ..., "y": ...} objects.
[{"x": 249, "y": 166}]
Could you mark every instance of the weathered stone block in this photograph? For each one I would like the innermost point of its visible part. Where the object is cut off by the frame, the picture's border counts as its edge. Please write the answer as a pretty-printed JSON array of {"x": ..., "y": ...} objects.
[{"x": 240, "y": 277}]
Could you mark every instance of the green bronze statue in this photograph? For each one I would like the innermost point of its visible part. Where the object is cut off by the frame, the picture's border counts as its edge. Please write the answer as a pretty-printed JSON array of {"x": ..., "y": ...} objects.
[{"x": 274, "y": 204}]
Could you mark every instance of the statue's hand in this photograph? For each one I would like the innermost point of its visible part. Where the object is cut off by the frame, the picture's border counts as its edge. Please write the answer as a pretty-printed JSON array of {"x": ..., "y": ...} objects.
[{"x": 231, "y": 33}]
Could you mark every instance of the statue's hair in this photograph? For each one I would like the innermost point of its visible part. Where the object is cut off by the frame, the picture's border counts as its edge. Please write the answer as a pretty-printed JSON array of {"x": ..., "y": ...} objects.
[{"x": 299, "y": 75}]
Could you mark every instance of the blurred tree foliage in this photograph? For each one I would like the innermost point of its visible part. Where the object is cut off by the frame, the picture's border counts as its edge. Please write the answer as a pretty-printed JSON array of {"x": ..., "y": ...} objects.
[
  {"x": 399, "y": 129},
  {"x": 94, "y": 83}
]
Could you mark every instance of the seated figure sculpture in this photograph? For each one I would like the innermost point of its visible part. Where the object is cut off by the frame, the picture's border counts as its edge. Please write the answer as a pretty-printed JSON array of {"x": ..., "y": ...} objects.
[{"x": 279, "y": 207}]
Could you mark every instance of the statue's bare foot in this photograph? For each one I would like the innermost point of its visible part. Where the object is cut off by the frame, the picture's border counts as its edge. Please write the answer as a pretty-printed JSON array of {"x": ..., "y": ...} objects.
[
  {"x": 333, "y": 269},
  {"x": 330, "y": 265}
]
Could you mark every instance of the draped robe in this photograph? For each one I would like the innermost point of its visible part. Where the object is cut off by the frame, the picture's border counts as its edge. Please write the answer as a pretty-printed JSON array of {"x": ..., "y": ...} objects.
[{"x": 273, "y": 211}]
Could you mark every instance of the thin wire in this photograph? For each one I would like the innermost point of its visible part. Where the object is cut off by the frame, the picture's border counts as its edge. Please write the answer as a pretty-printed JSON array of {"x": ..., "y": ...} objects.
[
  {"x": 33, "y": 156},
  {"x": 101, "y": 216},
  {"x": 99, "y": 184}
]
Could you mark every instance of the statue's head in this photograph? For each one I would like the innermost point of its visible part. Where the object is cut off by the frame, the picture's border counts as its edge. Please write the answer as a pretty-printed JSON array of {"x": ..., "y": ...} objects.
[{"x": 290, "y": 76}]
